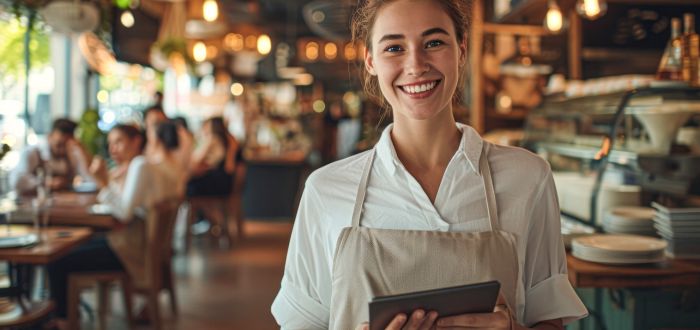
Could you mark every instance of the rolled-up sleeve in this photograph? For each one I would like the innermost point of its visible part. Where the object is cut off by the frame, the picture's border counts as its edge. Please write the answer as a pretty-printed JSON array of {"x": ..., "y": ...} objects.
[
  {"x": 304, "y": 297},
  {"x": 548, "y": 292}
]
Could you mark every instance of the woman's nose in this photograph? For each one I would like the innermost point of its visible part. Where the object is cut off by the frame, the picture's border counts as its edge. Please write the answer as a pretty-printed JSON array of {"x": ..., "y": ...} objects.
[{"x": 416, "y": 63}]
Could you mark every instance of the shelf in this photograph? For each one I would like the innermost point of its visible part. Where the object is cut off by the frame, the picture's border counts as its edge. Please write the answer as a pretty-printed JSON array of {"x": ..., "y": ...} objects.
[{"x": 620, "y": 157}]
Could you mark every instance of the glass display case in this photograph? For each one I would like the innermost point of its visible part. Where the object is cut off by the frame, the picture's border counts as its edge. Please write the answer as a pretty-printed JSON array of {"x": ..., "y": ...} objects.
[{"x": 619, "y": 148}]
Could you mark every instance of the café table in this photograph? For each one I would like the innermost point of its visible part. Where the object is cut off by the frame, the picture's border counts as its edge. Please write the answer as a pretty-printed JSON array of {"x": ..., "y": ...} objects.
[
  {"x": 638, "y": 296},
  {"x": 70, "y": 208},
  {"x": 57, "y": 242}
]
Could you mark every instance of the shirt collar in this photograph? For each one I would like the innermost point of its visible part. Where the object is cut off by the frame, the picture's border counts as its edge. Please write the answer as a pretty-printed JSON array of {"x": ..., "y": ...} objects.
[{"x": 469, "y": 146}]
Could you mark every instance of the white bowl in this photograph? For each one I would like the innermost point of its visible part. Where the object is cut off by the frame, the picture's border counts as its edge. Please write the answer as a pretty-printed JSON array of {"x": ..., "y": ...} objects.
[{"x": 663, "y": 121}]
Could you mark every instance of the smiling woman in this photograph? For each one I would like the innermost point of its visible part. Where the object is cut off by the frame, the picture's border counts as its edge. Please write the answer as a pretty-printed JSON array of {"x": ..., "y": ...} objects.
[{"x": 438, "y": 208}]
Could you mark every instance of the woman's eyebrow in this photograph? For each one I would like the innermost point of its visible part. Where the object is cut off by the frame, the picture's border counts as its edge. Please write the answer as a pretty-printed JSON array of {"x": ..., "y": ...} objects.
[
  {"x": 425, "y": 33},
  {"x": 391, "y": 37},
  {"x": 433, "y": 31}
]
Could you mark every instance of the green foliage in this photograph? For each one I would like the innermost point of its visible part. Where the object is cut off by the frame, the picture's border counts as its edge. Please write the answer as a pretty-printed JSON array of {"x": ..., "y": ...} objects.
[
  {"x": 174, "y": 45},
  {"x": 12, "y": 33},
  {"x": 123, "y": 4},
  {"x": 89, "y": 134}
]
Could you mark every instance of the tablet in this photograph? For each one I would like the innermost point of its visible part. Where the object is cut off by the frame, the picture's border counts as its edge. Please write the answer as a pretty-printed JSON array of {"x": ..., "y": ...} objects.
[{"x": 463, "y": 299}]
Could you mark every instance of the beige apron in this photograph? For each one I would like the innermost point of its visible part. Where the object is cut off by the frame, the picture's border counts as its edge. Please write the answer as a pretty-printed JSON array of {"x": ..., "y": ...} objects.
[{"x": 376, "y": 262}]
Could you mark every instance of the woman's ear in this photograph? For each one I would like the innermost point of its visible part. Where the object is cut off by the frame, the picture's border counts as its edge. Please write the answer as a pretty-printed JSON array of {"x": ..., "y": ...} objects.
[
  {"x": 369, "y": 62},
  {"x": 463, "y": 50}
]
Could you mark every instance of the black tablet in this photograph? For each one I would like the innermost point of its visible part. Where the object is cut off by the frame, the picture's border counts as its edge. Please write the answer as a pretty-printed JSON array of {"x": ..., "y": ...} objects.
[{"x": 463, "y": 299}]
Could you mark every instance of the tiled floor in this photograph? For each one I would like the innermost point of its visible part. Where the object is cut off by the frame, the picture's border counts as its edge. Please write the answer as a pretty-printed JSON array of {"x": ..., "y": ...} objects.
[{"x": 222, "y": 289}]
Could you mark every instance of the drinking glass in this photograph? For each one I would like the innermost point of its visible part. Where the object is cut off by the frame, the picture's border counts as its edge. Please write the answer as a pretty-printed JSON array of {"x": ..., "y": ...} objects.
[
  {"x": 7, "y": 203},
  {"x": 41, "y": 207}
]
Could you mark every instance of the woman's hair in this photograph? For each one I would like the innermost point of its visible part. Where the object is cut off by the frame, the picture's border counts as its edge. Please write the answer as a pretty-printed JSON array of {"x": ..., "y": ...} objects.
[
  {"x": 167, "y": 135},
  {"x": 182, "y": 122},
  {"x": 218, "y": 129},
  {"x": 131, "y": 132},
  {"x": 363, "y": 22}
]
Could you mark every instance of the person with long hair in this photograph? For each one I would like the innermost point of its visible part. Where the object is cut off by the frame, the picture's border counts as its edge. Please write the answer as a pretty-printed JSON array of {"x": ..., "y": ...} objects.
[
  {"x": 213, "y": 161},
  {"x": 432, "y": 205}
]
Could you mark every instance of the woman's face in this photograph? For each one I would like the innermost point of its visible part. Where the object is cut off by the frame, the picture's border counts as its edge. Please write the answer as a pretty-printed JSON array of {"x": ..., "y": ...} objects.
[
  {"x": 121, "y": 147},
  {"x": 206, "y": 129},
  {"x": 416, "y": 58}
]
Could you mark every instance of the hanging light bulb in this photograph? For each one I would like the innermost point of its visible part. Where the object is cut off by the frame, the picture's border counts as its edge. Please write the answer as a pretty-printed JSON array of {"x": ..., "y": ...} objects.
[
  {"x": 127, "y": 19},
  {"x": 264, "y": 44},
  {"x": 199, "y": 51},
  {"x": 210, "y": 10},
  {"x": 591, "y": 9},
  {"x": 554, "y": 21}
]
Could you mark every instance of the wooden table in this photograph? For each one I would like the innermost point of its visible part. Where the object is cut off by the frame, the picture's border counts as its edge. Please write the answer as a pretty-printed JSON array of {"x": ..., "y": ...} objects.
[
  {"x": 60, "y": 241},
  {"x": 623, "y": 296},
  {"x": 673, "y": 272},
  {"x": 72, "y": 209}
]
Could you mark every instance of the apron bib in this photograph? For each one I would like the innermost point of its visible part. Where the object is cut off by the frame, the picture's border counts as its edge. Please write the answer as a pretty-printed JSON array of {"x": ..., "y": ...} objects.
[{"x": 376, "y": 262}]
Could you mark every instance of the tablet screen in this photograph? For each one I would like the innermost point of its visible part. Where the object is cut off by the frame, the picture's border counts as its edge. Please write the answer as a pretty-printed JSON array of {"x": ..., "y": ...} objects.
[{"x": 463, "y": 299}]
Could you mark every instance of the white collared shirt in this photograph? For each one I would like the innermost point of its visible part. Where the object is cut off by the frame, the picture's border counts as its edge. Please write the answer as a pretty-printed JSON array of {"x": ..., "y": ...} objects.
[
  {"x": 146, "y": 184},
  {"x": 527, "y": 207}
]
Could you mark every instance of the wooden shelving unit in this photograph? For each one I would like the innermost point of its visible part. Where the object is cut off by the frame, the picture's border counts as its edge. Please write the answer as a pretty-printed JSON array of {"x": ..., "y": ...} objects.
[{"x": 506, "y": 25}]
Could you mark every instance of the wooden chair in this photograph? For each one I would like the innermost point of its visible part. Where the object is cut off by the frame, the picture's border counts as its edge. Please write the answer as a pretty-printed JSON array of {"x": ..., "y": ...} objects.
[
  {"x": 223, "y": 206},
  {"x": 158, "y": 273},
  {"x": 32, "y": 315}
]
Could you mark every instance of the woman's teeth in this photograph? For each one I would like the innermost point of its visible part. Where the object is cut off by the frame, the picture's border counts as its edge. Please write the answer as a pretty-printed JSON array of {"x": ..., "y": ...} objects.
[{"x": 414, "y": 89}]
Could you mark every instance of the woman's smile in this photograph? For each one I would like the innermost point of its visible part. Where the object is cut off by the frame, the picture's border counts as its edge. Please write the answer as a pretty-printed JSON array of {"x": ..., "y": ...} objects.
[{"x": 421, "y": 89}]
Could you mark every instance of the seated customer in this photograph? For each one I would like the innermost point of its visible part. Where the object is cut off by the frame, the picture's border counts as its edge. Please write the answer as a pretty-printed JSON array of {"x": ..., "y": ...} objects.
[
  {"x": 147, "y": 183},
  {"x": 61, "y": 158},
  {"x": 183, "y": 154},
  {"x": 125, "y": 143},
  {"x": 213, "y": 162},
  {"x": 151, "y": 118}
]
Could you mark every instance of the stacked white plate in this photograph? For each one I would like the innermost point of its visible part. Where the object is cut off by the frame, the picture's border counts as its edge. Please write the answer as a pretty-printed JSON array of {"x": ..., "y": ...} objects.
[
  {"x": 680, "y": 227},
  {"x": 635, "y": 220},
  {"x": 618, "y": 249}
]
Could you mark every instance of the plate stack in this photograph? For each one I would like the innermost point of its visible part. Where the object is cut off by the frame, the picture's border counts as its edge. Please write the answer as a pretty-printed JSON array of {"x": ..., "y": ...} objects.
[
  {"x": 618, "y": 249},
  {"x": 680, "y": 227},
  {"x": 634, "y": 220}
]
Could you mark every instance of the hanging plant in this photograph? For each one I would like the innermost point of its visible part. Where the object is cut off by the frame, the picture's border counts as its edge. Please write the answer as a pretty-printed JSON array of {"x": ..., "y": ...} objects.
[{"x": 171, "y": 52}]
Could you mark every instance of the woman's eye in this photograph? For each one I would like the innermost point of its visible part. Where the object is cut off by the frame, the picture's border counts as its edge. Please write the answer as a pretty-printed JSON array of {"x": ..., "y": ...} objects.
[
  {"x": 392, "y": 49},
  {"x": 434, "y": 43}
]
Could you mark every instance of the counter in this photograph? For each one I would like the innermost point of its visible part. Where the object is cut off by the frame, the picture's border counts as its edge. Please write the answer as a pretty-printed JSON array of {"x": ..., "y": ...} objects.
[{"x": 654, "y": 296}]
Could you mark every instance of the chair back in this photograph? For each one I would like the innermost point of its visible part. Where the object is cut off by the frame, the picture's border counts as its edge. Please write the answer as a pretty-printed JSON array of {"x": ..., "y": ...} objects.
[{"x": 160, "y": 226}]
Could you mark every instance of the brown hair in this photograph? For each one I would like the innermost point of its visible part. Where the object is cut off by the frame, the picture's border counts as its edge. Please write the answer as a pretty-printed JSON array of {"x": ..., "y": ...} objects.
[
  {"x": 131, "y": 132},
  {"x": 363, "y": 22}
]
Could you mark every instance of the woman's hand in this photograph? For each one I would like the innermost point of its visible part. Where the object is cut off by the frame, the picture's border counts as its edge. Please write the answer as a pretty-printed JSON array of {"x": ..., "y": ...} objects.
[
  {"x": 98, "y": 170},
  {"x": 419, "y": 320},
  {"x": 500, "y": 318}
]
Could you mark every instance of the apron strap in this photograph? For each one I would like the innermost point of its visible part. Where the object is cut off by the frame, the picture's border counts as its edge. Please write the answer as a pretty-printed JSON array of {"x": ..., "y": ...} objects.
[
  {"x": 489, "y": 191},
  {"x": 362, "y": 190}
]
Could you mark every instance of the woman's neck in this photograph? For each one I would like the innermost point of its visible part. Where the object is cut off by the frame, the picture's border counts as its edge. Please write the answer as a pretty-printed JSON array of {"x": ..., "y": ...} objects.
[{"x": 426, "y": 144}]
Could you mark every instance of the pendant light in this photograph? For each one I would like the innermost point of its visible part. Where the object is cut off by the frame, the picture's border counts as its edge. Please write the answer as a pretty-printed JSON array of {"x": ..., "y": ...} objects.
[
  {"x": 554, "y": 20},
  {"x": 199, "y": 51},
  {"x": 264, "y": 44},
  {"x": 591, "y": 9},
  {"x": 127, "y": 19},
  {"x": 210, "y": 10}
]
